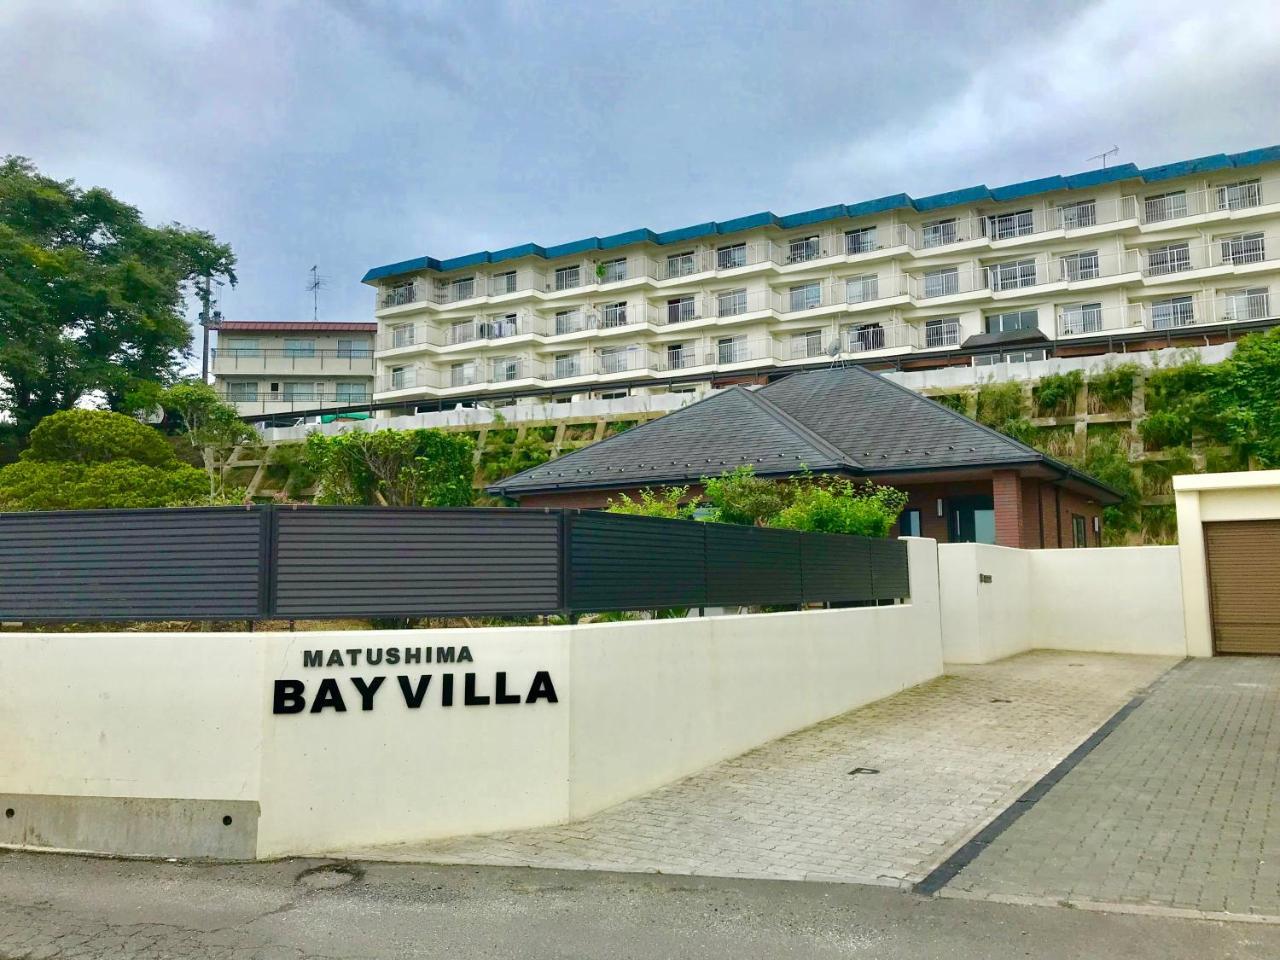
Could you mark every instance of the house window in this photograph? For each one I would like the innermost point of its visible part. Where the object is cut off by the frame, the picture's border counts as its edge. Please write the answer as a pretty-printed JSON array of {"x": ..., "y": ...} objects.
[
  {"x": 680, "y": 309},
  {"x": 239, "y": 347},
  {"x": 730, "y": 303},
  {"x": 241, "y": 391},
  {"x": 1243, "y": 248},
  {"x": 1164, "y": 206},
  {"x": 909, "y": 525},
  {"x": 567, "y": 365},
  {"x": 501, "y": 283},
  {"x": 399, "y": 378},
  {"x": 1082, "y": 213},
  {"x": 507, "y": 368},
  {"x": 1238, "y": 196},
  {"x": 807, "y": 344},
  {"x": 1170, "y": 258},
  {"x": 354, "y": 349},
  {"x": 1013, "y": 320},
  {"x": 732, "y": 256},
  {"x": 679, "y": 356},
  {"x": 615, "y": 359},
  {"x": 1080, "y": 318},
  {"x": 399, "y": 294},
  {"x": 503, "y": 325},
  {"x": 299, "y": 348},
  {"x": 987, "y": 359},
  {"x": 971, "y": 519},
  {"x": 861, "y": 240},
  {"x": 861, "y": 289},
  {"x": 681, "y": 264},
  {"x": 568, "y": 321},
  {"x": 1011, "y": 275},
  {"x": 295, "y": 390},
  {"x": 806, "y": 296},
  {"x": 462, "y": 331},
  {"x": 464, "y": 288},
  {"x": 1005, "y": 225},
  {"x": 803, "y": 248},
  {"x": 611, "y": 395},
  {"x": 1250, "y": 304},
  {"x": 1079, "y": 535},
  {"x": 1080, "y": 266},
  {"x": 613, "y": 271},
  {"x": 351, "y": 392},
  {"x": 1172, "y": 312},
  {"x": 731, "y": 349},
  {"x": 938, "y": 233},
  {"x": 614, "y": 314},
  {"x": 402, "y": 335},
  {"x": 866, "y": 336},
  {"x": 942, "y": 283},
  {"x": 943, "y": 332},
  {"x": 462, "y": 374},
  {"x": 568, "y": 277}
]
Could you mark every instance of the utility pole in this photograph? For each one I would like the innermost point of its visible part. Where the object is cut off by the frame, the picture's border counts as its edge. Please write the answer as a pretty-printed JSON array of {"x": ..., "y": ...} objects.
[{"x": 206, "y": 319}]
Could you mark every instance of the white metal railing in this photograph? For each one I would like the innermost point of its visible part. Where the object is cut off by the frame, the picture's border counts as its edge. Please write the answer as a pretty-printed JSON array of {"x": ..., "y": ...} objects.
[
  {"x": 520, "y": 280},
  {"x": 464, "y": 374},
  {"x": 1081, "y": 318},
  {"x": 947, "y": 281},
  {"x": 726, "y": 352},
  {"x": 863, "y": 338},
  {"x": 1243, "y": 194},
  {"x": 455, "y": 291},
  {"x": 681, "y": 357},
  {"x": 1185, "y": 311},
  {"x": 506, "y": 369},
  {"x": 684, "y": 264},
  {"x": 573, "y": 321},
  {"x": 681, "y": 309},
  {"x": 497, "y": 327},
  {"x": 943, "y": 334},
  {"x": 254, "y": 358},
  {"x": 400, "y": 294},
  {"x": 948, "y": 230},
  {"x": 623, "y": 360},
  {"x": 565, "y": 367},
  {"x": 407, "y": 378}
]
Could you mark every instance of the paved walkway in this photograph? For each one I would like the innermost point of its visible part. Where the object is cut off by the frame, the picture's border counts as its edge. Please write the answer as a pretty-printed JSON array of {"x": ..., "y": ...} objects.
[
  {"x": 1178, "y": 808},
  {"x": 950, "y": 755}
]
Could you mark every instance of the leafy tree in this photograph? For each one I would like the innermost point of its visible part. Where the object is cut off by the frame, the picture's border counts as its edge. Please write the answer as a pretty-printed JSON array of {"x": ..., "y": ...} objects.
[
  {"x": 837, "y": 505},
  {"x": 92, "y": 299},
  {"x": 668, "y": 502},
  {"x": 97, "y": 436},
  {"x": 428, "y": 468},
  {"x": 739, "y": 496},
  {"x": 1246, "y": 394},
  {"x": 210, "y": 425}
]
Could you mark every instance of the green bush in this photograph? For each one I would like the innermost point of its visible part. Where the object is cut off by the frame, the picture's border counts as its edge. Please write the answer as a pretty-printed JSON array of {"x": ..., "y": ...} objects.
[
  {"x": 1056, "y": 394},
  {"x": 62, "y": 485},
  {"x": 840, "y": 506},
  {"x": 999, "y": 403},
  {"x": 97, "y": 436},
  {"x": 739, "y": 496},
  {"x": 958, "y": 402},
  {"x": 1112, "y": 388},
  {"x": 429, "y": 468},
  {"x": 666, "y": 502}
]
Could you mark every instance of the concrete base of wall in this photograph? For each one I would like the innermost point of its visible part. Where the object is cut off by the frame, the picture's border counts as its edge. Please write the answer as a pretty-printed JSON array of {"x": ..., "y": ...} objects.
[{"x": 131, "y": 826}]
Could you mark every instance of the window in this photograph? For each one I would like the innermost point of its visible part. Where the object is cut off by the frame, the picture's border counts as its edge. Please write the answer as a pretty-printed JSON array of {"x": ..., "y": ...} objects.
[
  {"x": 971, "y": 519},
  {"x": 568, "y": 277},
  {"x": 354, "y": 349},
  {"x": 909, "y": 525},
  {"x": 463, "y": 288},
  {"x": 614, "y": 315},
  {"x": 398, "y": 294},
  {"x": 399, "y": 378},
  {"x": 1172, "y": 312},
  {"x": 1080, "y": 266},
  {"x": 299, "y": 348},
  {"x": 503, "y": 325},
  {"x": 613, "y": 271},
  {"x": 1243, "y": 248},
  {"x": 1082, "y": 213},
  {"x": 240, "y": 391},
  {"x": 402, "y": 335},
  {"x": 507, "y": 368},
  {"x": 681, "y": 264},
  {"x": 942, "y": 282},
  {"x": 680, "y": 309},
  {"x": 937, "y": 233},
  {"x": 866, "y": 336},
  {"x": 943, "y": 332},
  {"x": 731, "y": 303},
  {"x": 462, "y": 374},
  {"x": 462, "y": 331},
  {"x": 349, "y": 392},
  {"x": 611, "y": 395},
  {"x": 1013, "y": 320},
  {"x": 1170, "y": 258},
  {"x": 567, "y": 365},
  {"x": 240, "y": 347},
  {"x": 679, "y": 356},
  {"x": 615, "y": 359},
  {"x": 1238, "y": 196},
  {"x": 1250, "y": 304},
  {"x": 861, "y": 240},
  {"x": 1164, "y": 206},
  {"x": 1011, "y": 275},
  {"x": 735, "y": 255},
  {"x": 1004, "y": 225},
  {"x": 806, "y": 296},
  {"x": 1025, "y": 356},
  {"x": 987, "y": 359},
  {"x": 861, "y": 289},
  {"x": 1080, "y": 318},
  {"x": 803, "y": 248},
  {"x": 501, "y": 283},
  {"x": 807, "y": 344},
  {"x": 569, "y": 321},
  {"x": 1079, "y": 536},
  {"x": 731, "y": 349}
]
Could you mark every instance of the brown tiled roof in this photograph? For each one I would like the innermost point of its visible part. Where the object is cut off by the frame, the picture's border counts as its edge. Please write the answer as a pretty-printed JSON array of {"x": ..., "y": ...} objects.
[{"x": 320, "y": 326}]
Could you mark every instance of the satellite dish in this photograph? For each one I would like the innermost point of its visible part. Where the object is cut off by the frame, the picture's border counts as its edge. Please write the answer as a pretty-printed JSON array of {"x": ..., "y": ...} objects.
[{"x": 833, "y": 349}]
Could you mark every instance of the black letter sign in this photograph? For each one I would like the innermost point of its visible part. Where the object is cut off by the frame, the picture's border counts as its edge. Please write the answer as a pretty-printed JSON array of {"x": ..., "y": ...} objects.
[{"x": 288, "y": 697}]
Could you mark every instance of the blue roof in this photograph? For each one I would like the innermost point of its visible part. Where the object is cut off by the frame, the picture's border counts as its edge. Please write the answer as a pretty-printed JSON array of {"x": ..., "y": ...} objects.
[{"x": 967, "y": 195}]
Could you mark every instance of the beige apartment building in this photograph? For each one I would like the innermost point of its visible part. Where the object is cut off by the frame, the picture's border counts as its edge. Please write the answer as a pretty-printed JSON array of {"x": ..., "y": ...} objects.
[
  {"x": 1112, "y": 259},
  {"x": 293, "y": 369}
]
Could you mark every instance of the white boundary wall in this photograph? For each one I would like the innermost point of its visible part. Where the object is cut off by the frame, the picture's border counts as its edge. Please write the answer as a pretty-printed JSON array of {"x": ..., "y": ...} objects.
[
  {"x": 189, "y": 716},
  {"x": 1108, "y": 600}
]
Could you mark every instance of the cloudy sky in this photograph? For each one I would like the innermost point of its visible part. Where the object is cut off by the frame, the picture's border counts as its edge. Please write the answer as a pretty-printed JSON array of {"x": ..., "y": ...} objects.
[{"x": 351, "y": 133}]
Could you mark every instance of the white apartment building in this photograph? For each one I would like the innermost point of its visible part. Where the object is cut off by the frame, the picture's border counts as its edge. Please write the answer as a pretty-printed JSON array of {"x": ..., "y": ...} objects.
[
  {"x": 1112, "y": 259},
  {"x": 293, "y": 369}
]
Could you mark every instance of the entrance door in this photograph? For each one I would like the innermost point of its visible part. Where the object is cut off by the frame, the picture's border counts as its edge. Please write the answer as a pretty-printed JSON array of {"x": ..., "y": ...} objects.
[
  {"x": 1244, "y": 585},
  {"x": 971, "y": 519}
]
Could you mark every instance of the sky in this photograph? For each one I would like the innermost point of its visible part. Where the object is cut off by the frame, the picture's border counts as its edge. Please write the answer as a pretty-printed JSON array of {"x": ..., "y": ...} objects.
[{"x": 353, "y": 133}]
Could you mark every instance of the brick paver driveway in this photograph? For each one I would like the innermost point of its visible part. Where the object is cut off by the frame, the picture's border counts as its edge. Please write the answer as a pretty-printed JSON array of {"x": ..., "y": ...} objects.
[
  {"x": 950, "y": 755},
  {"x": 1177, "y": 809}
]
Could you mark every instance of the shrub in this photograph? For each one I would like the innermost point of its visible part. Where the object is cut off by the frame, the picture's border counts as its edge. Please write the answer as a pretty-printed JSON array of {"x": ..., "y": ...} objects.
[
  {"x": 666, "y": 502},
  {"x": 999, "y": 403},
  {"x": 840, "y": 506},
  {"x": 739, "y": 496},
  {"x": 97, "y": 436},
  {"x": 392, "y": 467},
  {"x": 63, "y": 485},
  {"x": 1112, "y": 388},
  {"x": 1057, "y": 392},
  {"x": 958, "y": 402}
]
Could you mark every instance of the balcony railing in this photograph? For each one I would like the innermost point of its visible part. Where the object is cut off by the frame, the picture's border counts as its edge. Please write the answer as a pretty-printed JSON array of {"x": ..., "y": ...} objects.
[
  {"x": 870, "y": 337},
  {"x": 1221, "y": 198},
  {"x": 738, "y": 351},
  {"x": 947, "y": 282},
  {"x": 358, "y": 359},
  {"x": 945, "y": 334},
  {"x": 408, "y": 378},
  {"x": 280, "y": 401},
  {"x": 627, "y": 360},
  {"x": 1235, "y": 251}
]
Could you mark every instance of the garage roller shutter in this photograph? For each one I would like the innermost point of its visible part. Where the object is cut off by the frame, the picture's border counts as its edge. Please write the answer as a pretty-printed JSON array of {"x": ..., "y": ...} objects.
[{"x": 1244, "y": 585}]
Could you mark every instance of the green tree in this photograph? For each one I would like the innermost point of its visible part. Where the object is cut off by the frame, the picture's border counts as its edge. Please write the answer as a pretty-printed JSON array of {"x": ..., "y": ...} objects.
[
  {"x": 739, "y": 496},
  {"x": 429, "y": 468},
  {"x": 210, "y": 426},
  {"x": 92, "y": 299},
  {"x": 1246, "y": 396}
]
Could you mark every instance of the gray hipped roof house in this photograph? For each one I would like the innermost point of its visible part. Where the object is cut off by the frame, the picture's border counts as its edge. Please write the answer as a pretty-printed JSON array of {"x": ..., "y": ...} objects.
[{"x": 847, "y": 422}]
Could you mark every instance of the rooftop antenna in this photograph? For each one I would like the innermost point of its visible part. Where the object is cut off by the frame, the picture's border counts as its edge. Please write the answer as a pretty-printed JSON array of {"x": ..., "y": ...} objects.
[
  {"x": 314, "y": 286},
  {"x": 833, "y": 351},
  {"x": 1103, "y": 156}
]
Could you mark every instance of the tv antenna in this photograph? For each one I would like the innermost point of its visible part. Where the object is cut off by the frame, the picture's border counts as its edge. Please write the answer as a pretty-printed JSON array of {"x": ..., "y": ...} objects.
[
  {"x": 314, "y": 286},
  {"x": 1103, "y": 156},
  {"x": 833, "y": 351}
]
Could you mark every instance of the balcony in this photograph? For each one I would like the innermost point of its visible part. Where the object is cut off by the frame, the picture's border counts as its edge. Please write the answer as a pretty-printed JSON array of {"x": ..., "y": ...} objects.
[
  {"x": 249, "y": 402},
  {"x": 1191, "y": 311},
  {"x": 870, "y": 337},
  {"x": 356, "y": 360},
  {"x": 1235, "y": 251},
  {"x": 408, "y": 378},
  {"x": 1223, "y": 198},
  {"x": 625, "y": 360},
  {"x": 737, "y": 350},
  {"x": 939, "y": 335},
  {"x": 494, "y": 328},
  {"x": 947, "y": 282},
  {"x": 507, "y": 369}
]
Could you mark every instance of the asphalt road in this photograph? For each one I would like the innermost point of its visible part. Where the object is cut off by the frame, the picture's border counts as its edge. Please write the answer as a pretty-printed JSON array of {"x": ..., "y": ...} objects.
[{"x": 57, "y": 906}]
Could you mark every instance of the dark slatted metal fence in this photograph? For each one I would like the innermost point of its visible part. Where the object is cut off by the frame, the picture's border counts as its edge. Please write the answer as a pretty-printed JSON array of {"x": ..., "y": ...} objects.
[{"x": 319, "y": 562}]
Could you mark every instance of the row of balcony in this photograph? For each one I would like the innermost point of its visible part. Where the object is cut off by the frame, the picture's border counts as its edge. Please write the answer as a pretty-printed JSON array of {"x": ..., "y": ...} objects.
[
  {"x": 1167, "y": 313},
  {"x": 357, "y": 360}
]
